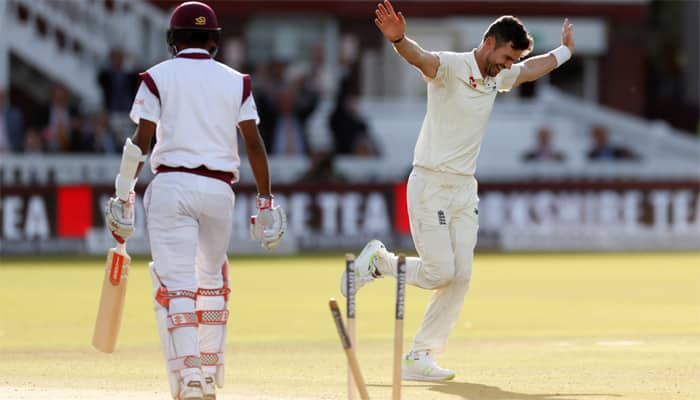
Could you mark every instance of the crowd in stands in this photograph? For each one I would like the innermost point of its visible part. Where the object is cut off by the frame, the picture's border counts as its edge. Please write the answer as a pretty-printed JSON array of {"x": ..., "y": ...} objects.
[
  {"x": 60, "y": 127},
  {"x": 287, "y": 96},
  {"x": 601, "y": 149}
]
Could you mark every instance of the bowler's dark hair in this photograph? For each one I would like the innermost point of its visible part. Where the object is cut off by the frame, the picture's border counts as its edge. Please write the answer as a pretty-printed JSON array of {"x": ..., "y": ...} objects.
[{"x": 509, "y": 29}]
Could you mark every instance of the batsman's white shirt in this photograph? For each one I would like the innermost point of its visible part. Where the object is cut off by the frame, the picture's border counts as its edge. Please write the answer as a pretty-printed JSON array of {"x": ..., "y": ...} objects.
[
  {"x": 459, "y": 105},
  {"x": 197, "y": 103}
]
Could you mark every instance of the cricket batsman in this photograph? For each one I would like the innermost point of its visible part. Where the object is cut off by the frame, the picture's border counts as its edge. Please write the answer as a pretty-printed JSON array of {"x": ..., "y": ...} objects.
[
  {"x": 442, "y": 192},
  {"x": 193, "y": 105}
]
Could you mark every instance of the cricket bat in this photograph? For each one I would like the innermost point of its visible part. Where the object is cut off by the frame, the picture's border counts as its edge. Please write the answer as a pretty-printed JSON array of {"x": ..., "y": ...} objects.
[{"x": 109, "y": 312}]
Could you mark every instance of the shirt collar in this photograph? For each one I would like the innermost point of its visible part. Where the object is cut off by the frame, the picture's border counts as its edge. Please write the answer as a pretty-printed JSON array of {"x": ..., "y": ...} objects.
[
  {"x": 193, "y": 53},
  {"x": 471, "y": 62}
]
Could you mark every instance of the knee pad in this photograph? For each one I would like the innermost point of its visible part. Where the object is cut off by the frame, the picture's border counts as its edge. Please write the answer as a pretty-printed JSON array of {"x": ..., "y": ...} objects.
[{"x": 175, "y": 311}]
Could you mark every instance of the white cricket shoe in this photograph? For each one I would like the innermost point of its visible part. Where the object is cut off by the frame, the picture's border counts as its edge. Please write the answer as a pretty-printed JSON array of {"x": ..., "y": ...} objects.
[
  {"x": 209, "y": 389},
  {"x": 421, "y": 366},
  {"x": 365, "y": 266},
  {"x": 191, "y": 391}
]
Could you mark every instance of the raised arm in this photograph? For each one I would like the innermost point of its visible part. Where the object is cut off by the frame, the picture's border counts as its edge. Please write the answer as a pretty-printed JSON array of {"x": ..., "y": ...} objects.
[
  {"x": 535, "y": 67},
  {"x": 393, "y": 27}
]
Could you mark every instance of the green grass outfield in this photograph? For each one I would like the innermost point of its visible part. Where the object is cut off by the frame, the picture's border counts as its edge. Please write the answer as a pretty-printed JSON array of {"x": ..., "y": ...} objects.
[{"x": 534, "y": 327}]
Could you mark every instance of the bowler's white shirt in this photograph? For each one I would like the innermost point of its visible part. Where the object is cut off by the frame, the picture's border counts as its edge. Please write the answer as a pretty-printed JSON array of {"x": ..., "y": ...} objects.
[
  {"x": 459, "y": 104},
  {"x": 197, "y": 104}
]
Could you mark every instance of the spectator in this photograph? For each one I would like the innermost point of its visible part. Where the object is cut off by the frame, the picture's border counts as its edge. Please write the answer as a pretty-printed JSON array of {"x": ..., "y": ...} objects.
[
  {"x": 95, "y": 136},
  {"x": 603, "y": 150},
  {"x": 266, "y": 77},
  {"x": 118, "y": 85},
  {"x": 350, "y": 131},
  {"x": 310, "y": 83},
  {"x": 33, "y": 142},
  {"x": 80, "y": 134},
  {"x": 289, "y": 137},
  {"x": 58, "y": 117},
  {"x": 11, "y": 126},
  {"x": 322, "y": 170},
  {"x": 543, "y": 150},
  {"x": 104, "y": 139}
]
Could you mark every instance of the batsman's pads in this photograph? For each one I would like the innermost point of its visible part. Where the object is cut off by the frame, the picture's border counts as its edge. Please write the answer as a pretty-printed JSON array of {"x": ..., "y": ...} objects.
[
  {"x": 119, "y": 217},
  {"x": 213, "y": 317},
  {"x": 131, "y": 157},
  {"x": 168, "y": 322},
  {"x": 268, "y": 226}
]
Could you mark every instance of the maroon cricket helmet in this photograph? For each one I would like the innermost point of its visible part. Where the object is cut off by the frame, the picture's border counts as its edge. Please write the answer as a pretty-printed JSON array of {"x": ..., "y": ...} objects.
[
  {"x": 193, "y": 15},
  {"x": 190, "y": 17}
]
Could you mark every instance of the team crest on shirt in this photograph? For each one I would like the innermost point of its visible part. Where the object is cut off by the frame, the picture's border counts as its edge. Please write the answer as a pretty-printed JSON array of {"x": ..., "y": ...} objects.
[
  {"x": 490, "y": 83},
  {"x": 483, "y": 85}
]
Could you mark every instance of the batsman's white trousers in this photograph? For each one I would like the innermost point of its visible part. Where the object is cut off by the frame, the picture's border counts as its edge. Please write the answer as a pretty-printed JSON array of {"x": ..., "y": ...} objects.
[
  {"x": 443, "y": 211},
  {"x": 189, "y": 221}
]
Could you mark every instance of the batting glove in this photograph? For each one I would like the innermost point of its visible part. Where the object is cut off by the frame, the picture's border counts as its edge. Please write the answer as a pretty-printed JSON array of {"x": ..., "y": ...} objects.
[
  {"x": 119, "y": 217},
  {"x": 269, "y": 225}
]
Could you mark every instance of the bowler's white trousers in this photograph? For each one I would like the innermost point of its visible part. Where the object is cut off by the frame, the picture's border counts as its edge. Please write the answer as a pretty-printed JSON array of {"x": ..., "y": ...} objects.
[
  {"x": 189, "y": 220},
  {"x": 443, "y": 211}
]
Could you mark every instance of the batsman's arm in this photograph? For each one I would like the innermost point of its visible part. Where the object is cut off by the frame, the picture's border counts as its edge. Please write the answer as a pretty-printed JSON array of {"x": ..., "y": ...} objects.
[
  {"x": 143, "y": 137},
  {"x": 393, "y": 27},
  {"x": 257, "y": 155},
  {"x": 133, "y": 155},
  {"x": 119, "y": 213},
  {"x": 536, "y": 67}
]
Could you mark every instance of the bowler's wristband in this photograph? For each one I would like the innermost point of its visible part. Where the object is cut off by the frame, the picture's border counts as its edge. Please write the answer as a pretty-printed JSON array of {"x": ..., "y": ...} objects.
[{"x": 562, "y": 54}]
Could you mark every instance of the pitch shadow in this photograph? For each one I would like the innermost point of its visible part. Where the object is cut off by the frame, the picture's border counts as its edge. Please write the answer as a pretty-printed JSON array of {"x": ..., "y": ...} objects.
[{"x": 476, "y": 391}]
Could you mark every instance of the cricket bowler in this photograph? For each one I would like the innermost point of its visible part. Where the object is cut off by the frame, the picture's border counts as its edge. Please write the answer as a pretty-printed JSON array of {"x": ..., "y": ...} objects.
[{"x": 442, "y": 191}]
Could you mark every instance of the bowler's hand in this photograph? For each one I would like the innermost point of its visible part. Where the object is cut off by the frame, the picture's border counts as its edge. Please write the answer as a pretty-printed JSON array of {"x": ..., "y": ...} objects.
[
  {"x": 392, "y": 24},
  {"x": 567, "y": 35}
]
